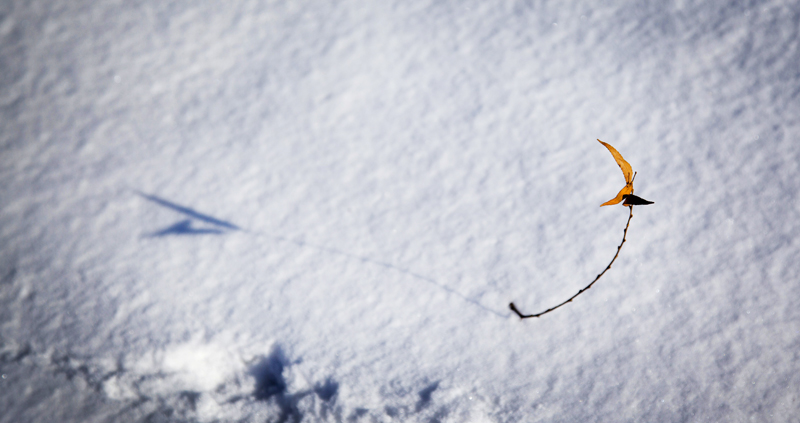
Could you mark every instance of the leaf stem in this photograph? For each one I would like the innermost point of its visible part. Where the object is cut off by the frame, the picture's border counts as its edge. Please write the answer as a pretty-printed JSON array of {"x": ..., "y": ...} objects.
[{"x": 624, "y": 235}]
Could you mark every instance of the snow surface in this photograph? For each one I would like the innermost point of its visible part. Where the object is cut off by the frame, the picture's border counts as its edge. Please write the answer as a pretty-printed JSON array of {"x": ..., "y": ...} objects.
[{"x": 319, "y": 211}]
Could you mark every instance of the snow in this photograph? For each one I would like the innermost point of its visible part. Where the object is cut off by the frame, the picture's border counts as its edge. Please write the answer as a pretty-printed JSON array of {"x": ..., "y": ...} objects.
[{"x": 319, "y": 211}]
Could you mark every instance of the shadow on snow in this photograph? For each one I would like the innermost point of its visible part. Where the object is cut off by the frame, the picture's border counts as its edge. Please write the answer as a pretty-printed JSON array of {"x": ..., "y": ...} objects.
[{"x": 185, "y": 227}]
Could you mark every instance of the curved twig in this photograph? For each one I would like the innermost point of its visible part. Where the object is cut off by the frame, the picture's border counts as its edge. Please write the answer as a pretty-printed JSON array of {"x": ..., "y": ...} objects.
[{"x": 624, "y": 234}]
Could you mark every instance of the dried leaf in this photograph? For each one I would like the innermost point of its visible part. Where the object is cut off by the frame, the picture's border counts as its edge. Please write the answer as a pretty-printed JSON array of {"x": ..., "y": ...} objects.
[
  {"x": 625, "y": 192},
  {"x": 632, "y": 200},
  {"x": 627, "y": 173}
]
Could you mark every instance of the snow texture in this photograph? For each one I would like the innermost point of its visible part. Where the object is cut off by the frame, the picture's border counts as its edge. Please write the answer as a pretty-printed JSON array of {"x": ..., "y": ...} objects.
[{"x": 283, "y": 211}]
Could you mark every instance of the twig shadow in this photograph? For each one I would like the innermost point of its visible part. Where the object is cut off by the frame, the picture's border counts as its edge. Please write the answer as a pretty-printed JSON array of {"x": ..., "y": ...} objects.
[
  {"x": 389, "y": 266},
  {"x": 219, "y": 227}
]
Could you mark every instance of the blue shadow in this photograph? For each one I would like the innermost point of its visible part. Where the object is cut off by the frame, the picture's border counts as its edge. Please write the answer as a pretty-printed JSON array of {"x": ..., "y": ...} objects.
[
  {"x": 184, "y": 227},
  {"x": 189, "y": 212}
]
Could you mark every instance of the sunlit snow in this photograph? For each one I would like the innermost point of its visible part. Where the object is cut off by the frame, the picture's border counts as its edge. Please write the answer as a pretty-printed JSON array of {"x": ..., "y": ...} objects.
[{"x": 287, "y": 211}]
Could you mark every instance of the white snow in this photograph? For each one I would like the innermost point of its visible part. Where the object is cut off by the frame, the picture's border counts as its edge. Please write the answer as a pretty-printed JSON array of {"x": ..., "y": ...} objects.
[{"x": 319, "y": 211}]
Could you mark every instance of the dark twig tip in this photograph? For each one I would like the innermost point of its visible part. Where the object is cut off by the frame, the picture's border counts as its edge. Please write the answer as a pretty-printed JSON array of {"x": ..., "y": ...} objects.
[{"x": 518, "y": 313}]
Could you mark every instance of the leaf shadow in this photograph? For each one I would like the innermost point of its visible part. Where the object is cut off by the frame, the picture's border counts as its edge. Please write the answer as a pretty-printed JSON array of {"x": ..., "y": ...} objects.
[{"x": 185, "y": 227}]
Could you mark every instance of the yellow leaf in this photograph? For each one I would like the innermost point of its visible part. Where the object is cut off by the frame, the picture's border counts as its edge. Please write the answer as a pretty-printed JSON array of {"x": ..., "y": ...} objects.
[
  {"x": 627, "y": 173},
  {"x": 627, "y": 189}
]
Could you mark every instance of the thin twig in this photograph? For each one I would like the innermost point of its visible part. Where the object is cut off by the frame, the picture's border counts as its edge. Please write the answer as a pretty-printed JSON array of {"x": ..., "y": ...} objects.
[{"x": 624, "y": 234}]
